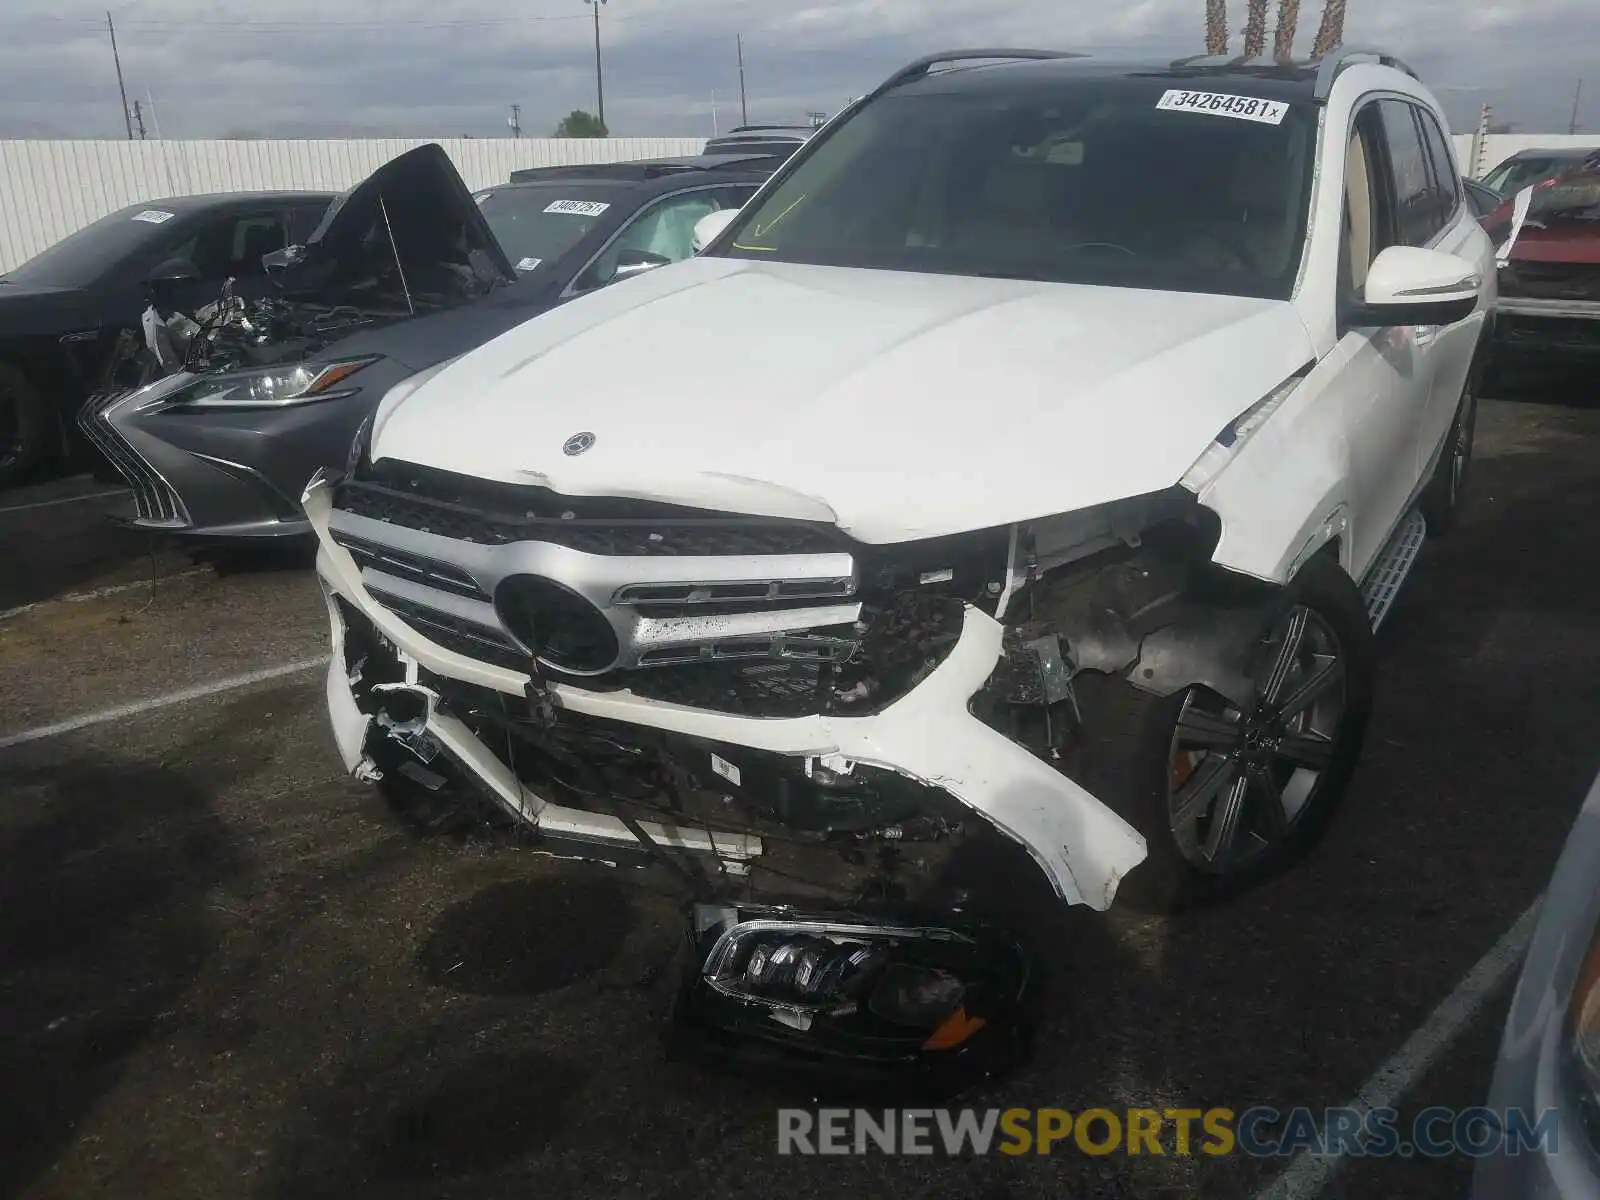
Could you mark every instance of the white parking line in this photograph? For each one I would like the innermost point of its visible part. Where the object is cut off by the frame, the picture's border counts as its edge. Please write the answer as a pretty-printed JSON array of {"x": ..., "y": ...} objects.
[
  {"x": 97, "y": 593},
  {"x": 139, "y": 707},
  {"x": 1307, "y": 1176},
  {"x": 16, "y": 508}
]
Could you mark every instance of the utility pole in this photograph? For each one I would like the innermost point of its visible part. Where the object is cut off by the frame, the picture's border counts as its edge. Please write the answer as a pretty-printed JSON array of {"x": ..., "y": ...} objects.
[
  {"x": 714, "y": 128},
  {"x": 1577, "y": 94},
  {"x": 138, "y": 119},
  {"x": 744, "y": 111},
  {"x": 599, "y": 77},
  {"x": 127, "y": 119},
  {"x": 516, "y": 120},
  {"x": 155, "y": 121}
]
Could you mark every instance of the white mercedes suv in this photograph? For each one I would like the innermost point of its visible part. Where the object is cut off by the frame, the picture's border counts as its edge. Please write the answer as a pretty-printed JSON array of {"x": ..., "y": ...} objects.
[{"x": 1030, "y": 460}]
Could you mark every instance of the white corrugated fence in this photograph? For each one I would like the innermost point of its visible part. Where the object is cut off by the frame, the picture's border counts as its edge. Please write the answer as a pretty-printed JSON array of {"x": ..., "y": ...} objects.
[{"x": 48, "y": 189}]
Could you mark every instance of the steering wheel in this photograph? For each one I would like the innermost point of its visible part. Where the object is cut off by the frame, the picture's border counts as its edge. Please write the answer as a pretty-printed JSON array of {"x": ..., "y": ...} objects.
[
  {"x": 1241, "y": 251},
  {"x": 1102, "y": 246}
]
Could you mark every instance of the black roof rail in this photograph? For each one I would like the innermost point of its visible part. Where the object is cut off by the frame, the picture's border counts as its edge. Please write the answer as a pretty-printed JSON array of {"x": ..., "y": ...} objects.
[
  {"x": 921, "y": 66},
  {"x": 1339, "y": 57},
  {"x": 758, "y": 128}
]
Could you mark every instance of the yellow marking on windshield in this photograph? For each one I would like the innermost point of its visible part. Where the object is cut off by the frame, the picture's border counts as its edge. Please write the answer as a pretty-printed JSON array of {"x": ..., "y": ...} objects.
[{"x": 763, "y": 230}]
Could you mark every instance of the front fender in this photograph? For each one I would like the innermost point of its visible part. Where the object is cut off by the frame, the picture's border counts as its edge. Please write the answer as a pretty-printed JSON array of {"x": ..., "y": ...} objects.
[{"x": 1285, "y": 494}]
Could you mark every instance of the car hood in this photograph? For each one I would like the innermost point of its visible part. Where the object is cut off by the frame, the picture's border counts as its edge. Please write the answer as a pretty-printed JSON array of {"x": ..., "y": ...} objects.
[
  {"x": 423, "y": 342},
  {"x": 410, "y": 197},
  {"x": 896, "y": 405}
]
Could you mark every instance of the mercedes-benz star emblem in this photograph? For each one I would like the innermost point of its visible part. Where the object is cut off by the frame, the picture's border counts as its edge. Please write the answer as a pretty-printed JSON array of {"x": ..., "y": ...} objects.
[{"x": 578, "y": 443}]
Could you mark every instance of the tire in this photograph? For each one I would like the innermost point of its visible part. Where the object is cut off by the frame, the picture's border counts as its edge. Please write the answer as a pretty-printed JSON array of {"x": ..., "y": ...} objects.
[
  {"x": 1445, "y": 493},
  {"x": 1129, "y": 754},
  {"x": 25, "y": 428}
]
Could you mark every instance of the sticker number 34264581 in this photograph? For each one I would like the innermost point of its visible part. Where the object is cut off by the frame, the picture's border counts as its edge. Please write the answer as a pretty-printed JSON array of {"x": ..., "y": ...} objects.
[{"x": 1246, "y": 108}]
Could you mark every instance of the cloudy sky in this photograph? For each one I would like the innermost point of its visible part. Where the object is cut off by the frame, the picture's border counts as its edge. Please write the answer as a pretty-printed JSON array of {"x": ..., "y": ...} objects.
[{"x": 446, "y": 68}]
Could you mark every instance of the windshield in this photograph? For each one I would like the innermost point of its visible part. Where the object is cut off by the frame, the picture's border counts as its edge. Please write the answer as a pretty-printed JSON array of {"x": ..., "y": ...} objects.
[
  {"x": 1118, "y": 182},
  {"x": 81, "y": 258},
  {"x": 536, "y": 223},
  {"x": 1518, "y": 173}
]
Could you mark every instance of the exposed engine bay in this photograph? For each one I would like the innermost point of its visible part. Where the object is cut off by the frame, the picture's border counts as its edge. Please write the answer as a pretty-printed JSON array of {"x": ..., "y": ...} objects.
[{"x": 405, "y": 242}]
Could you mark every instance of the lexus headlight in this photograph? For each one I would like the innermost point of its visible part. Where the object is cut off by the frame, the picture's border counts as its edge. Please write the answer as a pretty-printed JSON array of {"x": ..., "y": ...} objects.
[{"x": 269, "y": 387}]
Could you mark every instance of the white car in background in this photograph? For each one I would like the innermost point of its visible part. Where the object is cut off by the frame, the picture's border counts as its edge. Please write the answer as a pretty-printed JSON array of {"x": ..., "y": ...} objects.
[{"x": 1042, "y": 444}]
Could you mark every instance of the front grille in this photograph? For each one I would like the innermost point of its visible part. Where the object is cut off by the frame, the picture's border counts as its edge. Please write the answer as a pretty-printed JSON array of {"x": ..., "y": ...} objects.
[
  {"x": 413, "y": 567},
  {"x": 495, "y": 514},
  {"x": 153, "y": 497},
  {"x": 452, "y": 633}
]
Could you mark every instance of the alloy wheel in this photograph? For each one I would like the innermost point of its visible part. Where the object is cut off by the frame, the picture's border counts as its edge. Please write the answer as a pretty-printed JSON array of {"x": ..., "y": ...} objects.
[{"x": 1240, "y": 781}]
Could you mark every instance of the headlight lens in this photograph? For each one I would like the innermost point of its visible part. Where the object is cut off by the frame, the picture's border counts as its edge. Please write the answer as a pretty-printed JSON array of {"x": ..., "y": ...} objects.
[{"x": 269, "y": 387}]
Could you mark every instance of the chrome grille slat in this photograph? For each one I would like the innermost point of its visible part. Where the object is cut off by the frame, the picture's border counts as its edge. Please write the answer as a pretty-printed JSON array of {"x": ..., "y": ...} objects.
[
  {"x": 154, "y": 499},
  {"x": 415, "y": 567}
]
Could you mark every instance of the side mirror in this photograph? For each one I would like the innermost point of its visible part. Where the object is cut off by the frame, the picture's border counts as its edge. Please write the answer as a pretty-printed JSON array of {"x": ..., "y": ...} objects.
[
  {"x": 1407, "y": 285},
  {"x": 637, "y": 262},
  {"x": 174, "y": 270},
  {"x": 708, "y": 227}
]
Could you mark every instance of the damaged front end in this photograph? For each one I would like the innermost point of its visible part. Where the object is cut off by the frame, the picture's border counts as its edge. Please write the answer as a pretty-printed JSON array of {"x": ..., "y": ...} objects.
[
  {"x": 405, "y": 242},
  {"x": 810, "y": 731}
]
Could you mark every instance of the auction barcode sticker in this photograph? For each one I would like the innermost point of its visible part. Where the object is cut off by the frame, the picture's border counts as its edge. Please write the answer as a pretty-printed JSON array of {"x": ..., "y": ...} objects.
[
  {"x": 582, "y": 208},
  {"x": 1220, "y": 104}
]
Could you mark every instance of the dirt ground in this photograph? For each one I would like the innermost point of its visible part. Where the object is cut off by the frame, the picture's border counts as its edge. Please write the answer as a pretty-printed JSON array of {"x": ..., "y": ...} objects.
[{"x": 224, "y": 970}]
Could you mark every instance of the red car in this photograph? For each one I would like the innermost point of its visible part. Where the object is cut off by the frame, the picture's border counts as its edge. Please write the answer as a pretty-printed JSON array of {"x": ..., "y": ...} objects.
[{"x": 1550, "y": 264}]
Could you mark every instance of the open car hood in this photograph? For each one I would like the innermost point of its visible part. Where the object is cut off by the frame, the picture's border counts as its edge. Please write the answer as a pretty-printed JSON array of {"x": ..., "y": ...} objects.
[{"x": 415, "y": 207}]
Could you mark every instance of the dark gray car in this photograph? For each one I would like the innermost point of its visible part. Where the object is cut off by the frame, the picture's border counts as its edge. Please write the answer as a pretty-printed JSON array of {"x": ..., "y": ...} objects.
[
  {"x": 222, "y": 456},
  {"x": 1549, "y": 1064}
]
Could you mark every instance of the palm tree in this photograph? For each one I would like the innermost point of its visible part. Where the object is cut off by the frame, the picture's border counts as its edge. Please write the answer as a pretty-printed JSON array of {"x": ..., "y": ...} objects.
[
  {"x": 1216, "y": 27},
  {"x": 1255, "y": 29},
  {"x": 1331, "y": 31},
  {"x": 1288, "y": 19}
]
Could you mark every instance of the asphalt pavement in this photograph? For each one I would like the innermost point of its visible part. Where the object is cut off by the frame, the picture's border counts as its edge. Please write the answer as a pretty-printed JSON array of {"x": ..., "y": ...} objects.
[{"x": 224, "y": 970}]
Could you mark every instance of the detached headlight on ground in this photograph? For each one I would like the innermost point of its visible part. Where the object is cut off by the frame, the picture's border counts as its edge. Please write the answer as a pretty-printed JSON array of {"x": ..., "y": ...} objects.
[
  {"x": 934, "y": 1007},
  {"x": 269, "y": 387}
]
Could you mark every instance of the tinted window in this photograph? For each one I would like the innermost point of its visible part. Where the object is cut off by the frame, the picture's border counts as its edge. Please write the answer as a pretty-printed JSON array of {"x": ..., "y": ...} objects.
[
  {"x": 303, "y": 222},
  {"x": 1483, "y": 201},
  {"x": 99, "y": 248},
  {"x": 1415, "y": 209},
  {"x": 1446, "y": 179},
  {"x": 1086, "y": 181},
  {"x": 233, "y": 245},
  {"x": 537, "y": 223}
]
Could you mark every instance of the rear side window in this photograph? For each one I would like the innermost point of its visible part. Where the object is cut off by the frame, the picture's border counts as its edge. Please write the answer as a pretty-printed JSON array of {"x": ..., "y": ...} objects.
[
  {"x": 1446, "y": 180},
  {"x": 1416, "y": 209}
]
